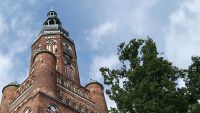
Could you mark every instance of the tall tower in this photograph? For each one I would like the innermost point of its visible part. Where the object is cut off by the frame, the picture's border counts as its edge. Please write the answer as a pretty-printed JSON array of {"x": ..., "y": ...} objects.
[
  {"x": 55, "y": 39},
  {"x": 53, "y": 85}
]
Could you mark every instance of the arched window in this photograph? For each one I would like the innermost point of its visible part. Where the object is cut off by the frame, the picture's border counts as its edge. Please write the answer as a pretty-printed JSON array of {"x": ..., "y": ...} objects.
[
  {"x": 59, "y": 80},
  {"x": 65, "y": 83},
  {"x": 27, "y": 110},
  {"x": 74, "y": 105},
  {"x": 66, "y": 66},
  {"x": 80, "y": 107},
  {"x": 51, "y": 22},
  {"x": 65, "y": 70},
  {"x": 67, "y": 100},
  {"x": 51, "y": 45},
  {"x": 52, "y": 109},
  {"x": 85, "y": 95},
  {"x": 75, "y": 89},
  {"x": 71, "y": 73},
  {"x": 67, "y": 50},
  {"x": 70, "y": 101},
  {"x": 80, "y": 92},
  {"x": 36, "y": 48}
]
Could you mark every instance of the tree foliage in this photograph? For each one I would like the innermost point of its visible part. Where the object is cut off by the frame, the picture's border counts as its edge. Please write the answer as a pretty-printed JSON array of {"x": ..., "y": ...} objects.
[{"x": 147, "y": 83}]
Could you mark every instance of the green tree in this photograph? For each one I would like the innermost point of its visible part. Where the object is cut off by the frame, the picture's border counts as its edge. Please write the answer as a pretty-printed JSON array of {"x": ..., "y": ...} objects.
[
  {"x": 193, "y": 85},
  {"x": 146, "y": 82}
]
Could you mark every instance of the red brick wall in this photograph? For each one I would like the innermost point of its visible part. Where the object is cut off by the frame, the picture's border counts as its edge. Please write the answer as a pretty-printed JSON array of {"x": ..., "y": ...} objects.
[
  {"x": 45, "y": 73},
  {"x": 7, "y": 98},
  {"x": 40, "y": 102},
  {"x": 97, "y": 96},
  {"x": 41, "y": 43}
]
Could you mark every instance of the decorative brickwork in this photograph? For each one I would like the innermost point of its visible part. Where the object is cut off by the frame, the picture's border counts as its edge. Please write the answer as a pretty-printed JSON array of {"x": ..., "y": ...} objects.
[{"x": 53, "y": 84}]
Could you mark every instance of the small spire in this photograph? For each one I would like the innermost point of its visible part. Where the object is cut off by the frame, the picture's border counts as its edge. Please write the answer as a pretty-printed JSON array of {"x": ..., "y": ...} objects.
[{"x": 51, "y": 5}]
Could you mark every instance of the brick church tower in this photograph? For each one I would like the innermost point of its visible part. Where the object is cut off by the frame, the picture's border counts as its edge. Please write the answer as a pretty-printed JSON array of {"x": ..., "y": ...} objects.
[{"x": 53, "y": 84}]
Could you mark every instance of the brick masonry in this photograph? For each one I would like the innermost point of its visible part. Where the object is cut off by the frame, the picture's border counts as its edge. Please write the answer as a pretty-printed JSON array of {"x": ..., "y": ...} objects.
[{"x": 53, "y": 84}]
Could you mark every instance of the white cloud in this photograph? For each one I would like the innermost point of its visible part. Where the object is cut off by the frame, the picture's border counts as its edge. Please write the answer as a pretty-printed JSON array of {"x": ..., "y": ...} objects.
[
  {"x": 5, "y": 64},
  {"x": 183, "y": 37},
  {"x": 109, "y": 102},
  {"x": 5, "y": 69},
  {"x": 3, "y": 25},
  {"x": 180, "y": 82},
  {"x": 101, "y": 32},
  {"x": 110, "y": 61},
  {"x": 114, "y": 22},
  {"x": 16, "y": 34},
  {"x": 118, "y": 23}
]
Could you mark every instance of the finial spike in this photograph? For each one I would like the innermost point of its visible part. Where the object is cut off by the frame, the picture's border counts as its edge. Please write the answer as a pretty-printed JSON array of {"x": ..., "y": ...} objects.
[{"x": 51, "y": 5}]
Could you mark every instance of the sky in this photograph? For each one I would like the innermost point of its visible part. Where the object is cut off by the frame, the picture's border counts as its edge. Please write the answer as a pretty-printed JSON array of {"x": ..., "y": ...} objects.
[{"x": 97, "y": 27}]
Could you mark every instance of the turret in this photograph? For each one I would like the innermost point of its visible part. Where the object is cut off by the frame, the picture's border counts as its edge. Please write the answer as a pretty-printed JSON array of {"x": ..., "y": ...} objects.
[
  {"x": 97, "y": 95},
  {"x": 44, "y": 69},
  {"x": 8, "y": 96}
]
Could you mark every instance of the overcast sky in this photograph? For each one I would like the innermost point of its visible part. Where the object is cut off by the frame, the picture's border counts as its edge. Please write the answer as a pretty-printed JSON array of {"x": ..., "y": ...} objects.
[{"x": 97, "y": 27}]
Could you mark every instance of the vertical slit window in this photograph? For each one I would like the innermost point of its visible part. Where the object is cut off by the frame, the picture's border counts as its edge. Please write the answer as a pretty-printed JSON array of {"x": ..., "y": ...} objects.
[{"x": 71, "y": 73}]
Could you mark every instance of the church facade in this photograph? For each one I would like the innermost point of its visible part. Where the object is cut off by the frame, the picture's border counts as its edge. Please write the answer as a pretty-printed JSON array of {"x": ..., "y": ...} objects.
[{"x": 53, "y": 84}]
